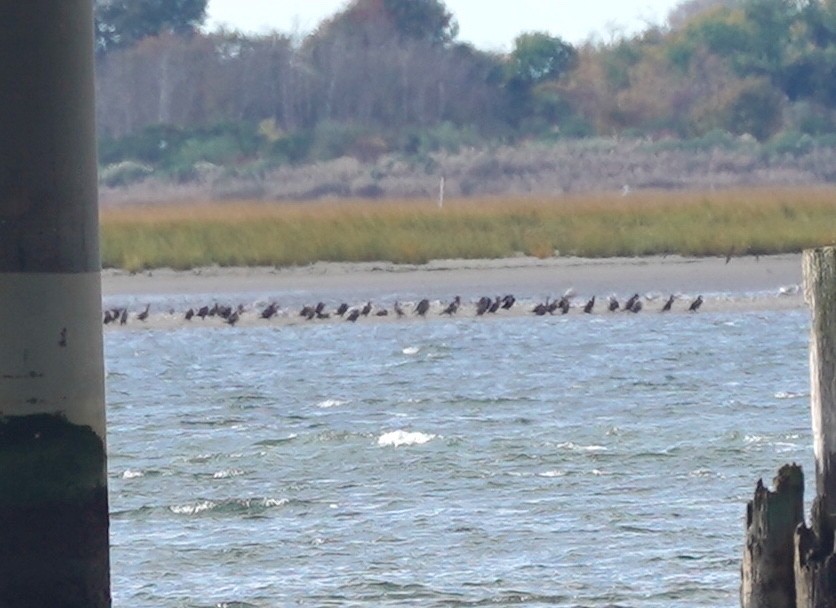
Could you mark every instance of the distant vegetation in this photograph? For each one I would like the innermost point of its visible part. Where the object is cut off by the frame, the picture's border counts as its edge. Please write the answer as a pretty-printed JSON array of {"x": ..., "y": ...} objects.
[
  {"x": 731, "y": 222},
  {"x": 387, "y": 79}
]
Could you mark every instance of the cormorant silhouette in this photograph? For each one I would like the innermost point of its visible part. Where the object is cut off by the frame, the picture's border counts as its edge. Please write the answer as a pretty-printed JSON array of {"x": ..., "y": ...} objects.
[
  {"x": 422, "y": 307},
  {"x": 668, "y": 304},
  {"x": 144, "y": 314},
  {"x": 695, "y": 305},
  {"x": 587, "y": 308},
  {"x": 353, "y": 315}
]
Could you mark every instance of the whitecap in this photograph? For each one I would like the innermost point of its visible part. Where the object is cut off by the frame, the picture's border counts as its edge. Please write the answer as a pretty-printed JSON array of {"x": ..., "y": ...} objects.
[
  {"x": 411, "y": 350},
  {"x": 400, "y": 438},
  {"x": 554, "y": 473},
  {"x": 193, "y": 508},
  {"x": 789, "y": 395},
  {"x": 129, "y": 474},
  {"x": 227, "y": 473},
  {"x": 571, "y": 445},
  {"x": 329, "y": 403}
]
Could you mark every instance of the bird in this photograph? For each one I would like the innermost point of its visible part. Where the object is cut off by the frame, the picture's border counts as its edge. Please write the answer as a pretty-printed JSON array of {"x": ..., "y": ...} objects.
[
  {"x": 541, "y": 309},
  {"x": 422, "y": 307},
  {"x": 381, "y": 313},
  {"x": 144, "y": 314},
  {"x": 233, "y": 317},
  {"x": 483, "y": 305},
  {"x": 613, "y": 304},
  {"x": 367, "y": 308},
  {"x": 628, "y": 305},
  {"x": 342, "y": 309},
  {"x": 270, "y": 311},
  {"x": 398, "y": 310},
  {"x": 307, "y": 311},
  {"x": 637, "y": 306},
  {"x": 497, "y": 303},
  {"x": 695, "y": 305},
  {"x": 508, "y": 301},
  {"x": 452, "y": 307},
  {"x": 110, "y": 317},
  {"x": 203, "y": 311},
  {"x": 353, "y": 315},
  {"x": 189, "y": 314},
  {"x": 563, "y": 305},
  {"x": 668, "y": 304},
  {"x": 587, "y": 308},
  {"x": 123, "y": 316}
]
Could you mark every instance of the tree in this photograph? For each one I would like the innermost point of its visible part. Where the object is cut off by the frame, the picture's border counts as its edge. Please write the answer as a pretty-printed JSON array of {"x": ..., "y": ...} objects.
[
  {"x": 427, "y": 20},
  {"x": 122, "y": 23},
  {"x": 537, "y": 57}
]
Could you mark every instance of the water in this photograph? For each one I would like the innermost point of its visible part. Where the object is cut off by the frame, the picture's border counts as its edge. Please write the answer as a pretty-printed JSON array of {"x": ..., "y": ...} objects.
[{"x": 564, "y": 461}]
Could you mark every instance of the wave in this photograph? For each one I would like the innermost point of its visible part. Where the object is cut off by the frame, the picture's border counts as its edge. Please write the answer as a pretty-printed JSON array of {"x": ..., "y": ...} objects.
[
  {"x": 404, "y": 438},
  {"x": 246, "y": 506},
  {"x": 329, "y": 403},
  {"x": 227, "y": 473}
]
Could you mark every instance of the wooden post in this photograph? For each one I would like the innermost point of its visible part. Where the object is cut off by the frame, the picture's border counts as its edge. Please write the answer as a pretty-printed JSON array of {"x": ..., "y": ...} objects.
[
  {"x": 54, "y": 547},
  {"x": 815, "y": 564},
  {"x": 767, "y": 578}
]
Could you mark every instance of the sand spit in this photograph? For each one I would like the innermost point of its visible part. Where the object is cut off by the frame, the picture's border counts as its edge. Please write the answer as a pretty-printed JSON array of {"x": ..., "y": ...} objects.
[{"x": 739, "y": 284}]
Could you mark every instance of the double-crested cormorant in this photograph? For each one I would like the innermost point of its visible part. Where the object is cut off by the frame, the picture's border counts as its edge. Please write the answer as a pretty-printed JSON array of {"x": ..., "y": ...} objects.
[
  {"x": 342, "y": 309},
  {"x": 628, "y": 305},
  {"x": 123, "y": 316},
  {"x": 353, "y": 315},
  {"x": 144, "y": 314},
  {"x": 613, "y": 304},
  {"x": 637, "y": 306},
  {"x": 367, "y": 308},
  {"x": 695, "y": 305},
  {"x": 189, "y": 314},
  {"x": 422, "y": 307},
  {"x": 496, "y": 304},
  {"x": 542, "y": 308},
  {"x": 668, "y": 304},
  {"x": 204, "y": 310},
  {"x": 587, "y": 308},
  {"x": 398, "y": 310},
  {"x": 270, "y": 311},
  {"x": 563, "y": 305},
  {"x": 452, "y": 307},
  {"x": 233, "y": 317},
  {"x": 508, "y": 301}
]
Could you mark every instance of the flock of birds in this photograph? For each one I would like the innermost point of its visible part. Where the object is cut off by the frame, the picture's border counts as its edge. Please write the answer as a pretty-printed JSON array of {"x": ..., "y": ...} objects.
[{"x": 485, "y": 305}]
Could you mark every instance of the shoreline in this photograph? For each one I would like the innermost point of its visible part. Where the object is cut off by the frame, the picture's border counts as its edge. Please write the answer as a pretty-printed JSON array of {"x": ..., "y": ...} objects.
[{"x": 739, "y": 284}]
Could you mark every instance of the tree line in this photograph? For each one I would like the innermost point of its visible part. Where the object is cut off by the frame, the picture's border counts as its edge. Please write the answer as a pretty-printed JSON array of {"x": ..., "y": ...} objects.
[{"x": 390, "y": 76}]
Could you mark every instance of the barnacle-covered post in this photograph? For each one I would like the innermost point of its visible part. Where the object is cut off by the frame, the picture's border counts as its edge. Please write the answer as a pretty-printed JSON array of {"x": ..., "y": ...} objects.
[{"x": 54, "y": 547}]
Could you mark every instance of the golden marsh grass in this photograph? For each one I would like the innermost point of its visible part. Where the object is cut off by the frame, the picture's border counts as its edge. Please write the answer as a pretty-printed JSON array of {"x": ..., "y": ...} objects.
[{"x": 255, "y": 233}]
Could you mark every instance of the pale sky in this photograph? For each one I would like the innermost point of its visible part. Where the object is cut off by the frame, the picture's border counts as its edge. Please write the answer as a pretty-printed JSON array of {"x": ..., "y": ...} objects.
[{"x": 487, "y": 24}]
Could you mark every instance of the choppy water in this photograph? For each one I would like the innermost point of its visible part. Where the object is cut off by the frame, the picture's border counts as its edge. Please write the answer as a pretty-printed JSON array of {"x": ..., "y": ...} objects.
[{"x": 561, "y": 461}]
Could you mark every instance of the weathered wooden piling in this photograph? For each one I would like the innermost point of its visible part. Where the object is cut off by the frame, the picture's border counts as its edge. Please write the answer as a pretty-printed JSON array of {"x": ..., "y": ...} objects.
[
  {"x": 772, "y": 549},
  {"x": 815, "y": 564},
  {"x": 54, "y": 547},
  {"x": 768, "y": 579}
]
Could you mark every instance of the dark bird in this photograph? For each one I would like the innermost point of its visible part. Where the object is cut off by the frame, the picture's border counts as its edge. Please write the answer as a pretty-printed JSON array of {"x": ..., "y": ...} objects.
[
  {"x": 613, "y": 304},
  {"x": 353, "y": 315},
  {"x": 123, "y": 316},
  {"x": 233, "y": 317},
  {"x": 495, "y": 305},
  {"x": 320, "y": 306},
  {"x": 214, "y": 310},
  {"x": 367, "y": 308},
  {"x": 382, "y": 313},
  {"x": 270, "y": 311},
  {"x": 144, "y": 314},
  {"x": 452, "y": 307},
  {"x": 587, "y": 308},
  {"x": 541, "y": 309},
  {"x": 398, "y": 310},
  {"x": 695, "y": 305},
  {"x": 482, "y": 305},
  {"x": 110, "y": 317},
  {"x": 636, "y": 307},
  {"x": 342, "y": 309},
  {"x": 628, "y": 305},
  {"x": 204, "y": 310},
  {"x": 189, "y": 314},
  {"x": 563, "y": 305},
  {"x": 307, "y": 311},
  {"x": 508, "y": 301},
  {"x": 422, "y": 307},
  {"x": 668, "y": 304}
]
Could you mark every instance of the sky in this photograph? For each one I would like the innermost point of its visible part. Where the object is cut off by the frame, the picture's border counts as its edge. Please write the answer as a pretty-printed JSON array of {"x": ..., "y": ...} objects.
[{"x": 489, "y": 25}]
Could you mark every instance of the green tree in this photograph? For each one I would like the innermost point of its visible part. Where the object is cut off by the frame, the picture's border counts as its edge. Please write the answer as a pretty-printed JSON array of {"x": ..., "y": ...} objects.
[
  {"x": 121, "y": 23},
  {"x": 538, "y": 57},
  {"x": 427, "y": 20}
]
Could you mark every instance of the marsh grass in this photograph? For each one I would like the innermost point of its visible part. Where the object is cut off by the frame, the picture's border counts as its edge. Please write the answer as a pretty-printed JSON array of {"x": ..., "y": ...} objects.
[{"x": 247, "y": 233}]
